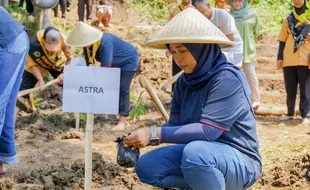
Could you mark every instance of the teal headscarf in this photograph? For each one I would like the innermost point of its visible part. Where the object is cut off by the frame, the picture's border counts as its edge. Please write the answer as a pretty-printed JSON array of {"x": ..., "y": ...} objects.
[{"x": 242, "y": 14}]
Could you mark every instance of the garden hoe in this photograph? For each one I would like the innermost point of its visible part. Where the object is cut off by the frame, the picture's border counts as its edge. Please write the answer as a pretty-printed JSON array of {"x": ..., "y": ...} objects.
[
  {"x": 23, "y": 106},
  {"x": 171, "y": 81},
  {"x": 145, "y": 84}
]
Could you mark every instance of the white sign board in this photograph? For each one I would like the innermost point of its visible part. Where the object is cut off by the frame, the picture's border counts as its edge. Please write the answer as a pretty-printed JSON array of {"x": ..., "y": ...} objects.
[{"x": 91, "y": 89}]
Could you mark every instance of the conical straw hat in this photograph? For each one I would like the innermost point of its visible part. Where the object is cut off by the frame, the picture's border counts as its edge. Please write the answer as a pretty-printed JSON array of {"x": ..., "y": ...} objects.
[
  {"x": 189, "y": 26},
  {"x": 83, "y": 35}
]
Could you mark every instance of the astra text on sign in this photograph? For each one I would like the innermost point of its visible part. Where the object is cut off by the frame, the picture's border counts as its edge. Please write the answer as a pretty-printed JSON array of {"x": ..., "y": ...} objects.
[{"x": 91, "y": 89}]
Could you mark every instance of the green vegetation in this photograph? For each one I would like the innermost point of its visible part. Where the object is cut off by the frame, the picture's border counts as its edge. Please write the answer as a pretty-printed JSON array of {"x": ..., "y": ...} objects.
[
  {"x": 152, "y": 11},
  {"x": 83, "y": 116},
  {"x": 271, "y": 12},
  {"x": 137, "y": 109},
  {"x": 22, "y": 16}
]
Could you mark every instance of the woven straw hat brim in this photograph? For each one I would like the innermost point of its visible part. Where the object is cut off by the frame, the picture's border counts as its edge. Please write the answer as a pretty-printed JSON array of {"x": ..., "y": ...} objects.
[
  {"x": 189, "y": 26},
  {"x": 161, "y": 44},
  {"x": 83, "y": 35},
  {"x": 228, "y": 2}
]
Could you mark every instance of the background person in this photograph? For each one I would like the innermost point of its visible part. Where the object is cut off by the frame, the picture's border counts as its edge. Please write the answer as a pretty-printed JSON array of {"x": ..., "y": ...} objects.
[
  {"x": 110, "y": 51},
  {"x": 248, "y": 25},
  {"x": 45, "y": 55},
  {"x": 225, "y": 22},
  {"x": 14, "y": 45},
  {"x": 104, "y": 13},
  {"x": 293, "y": 58}
]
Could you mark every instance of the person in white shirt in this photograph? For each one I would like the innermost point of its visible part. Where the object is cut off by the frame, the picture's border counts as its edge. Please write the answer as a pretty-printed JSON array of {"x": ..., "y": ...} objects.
[{"x": 226, "y": 23}]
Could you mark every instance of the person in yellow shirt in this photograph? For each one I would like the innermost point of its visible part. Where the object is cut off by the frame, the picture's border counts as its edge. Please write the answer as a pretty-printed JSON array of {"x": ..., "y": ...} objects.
[
  {"x": 45, "y": 54},
  {"x": 177, "y": 9},
  {"x": 293, "y": 58}
]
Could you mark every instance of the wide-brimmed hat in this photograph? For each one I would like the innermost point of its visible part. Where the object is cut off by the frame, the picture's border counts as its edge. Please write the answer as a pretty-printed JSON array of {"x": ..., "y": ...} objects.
[
  {"x": 228, "y": 1},
  {"x": 83, "y": 35},
  {"x": 189, "y": 26},
  {"x": 52, "y": 38}
]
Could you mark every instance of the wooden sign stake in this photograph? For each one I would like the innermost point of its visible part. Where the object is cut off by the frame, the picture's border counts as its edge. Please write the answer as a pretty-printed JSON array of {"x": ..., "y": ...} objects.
[{"x": 88, "y": 151}]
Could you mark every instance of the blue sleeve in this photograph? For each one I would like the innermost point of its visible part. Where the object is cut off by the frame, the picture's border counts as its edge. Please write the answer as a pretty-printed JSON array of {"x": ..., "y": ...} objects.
[
  {"x": 173, "y": 121},
  {"x": 225, "y": 102},
  {"x": 106, "y": 51},
  {"x": 191, "y": 132}
]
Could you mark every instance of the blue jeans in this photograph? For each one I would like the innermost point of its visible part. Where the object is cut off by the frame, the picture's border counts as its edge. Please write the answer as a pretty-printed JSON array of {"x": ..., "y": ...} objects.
[
  {"x": 12, "y": 61},
  {"x": 198, "y": 165}
]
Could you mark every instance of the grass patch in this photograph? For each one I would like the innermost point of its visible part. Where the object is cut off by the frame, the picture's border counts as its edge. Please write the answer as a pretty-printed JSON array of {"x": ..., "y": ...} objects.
[
  {"x": 21, "y": 15},
  {"x": 271, "y": 14},
  {"x": 151, "y": 11}
]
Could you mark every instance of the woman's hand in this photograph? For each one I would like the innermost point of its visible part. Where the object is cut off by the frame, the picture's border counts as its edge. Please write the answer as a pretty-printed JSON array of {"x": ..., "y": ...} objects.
[
  {"x": 279, "y": 64},
  {"x": 60, "y": 78},
  {"x": 139, "y": 138}
]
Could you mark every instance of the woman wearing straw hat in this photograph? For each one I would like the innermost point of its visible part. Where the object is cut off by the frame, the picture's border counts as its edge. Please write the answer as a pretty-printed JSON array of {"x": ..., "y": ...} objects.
[
  {"x": 211, "y": 119},
  {"x": 248, "y": 25},
  {"x": 176, "y": 10},
  {"x": 110, "y": 51}
]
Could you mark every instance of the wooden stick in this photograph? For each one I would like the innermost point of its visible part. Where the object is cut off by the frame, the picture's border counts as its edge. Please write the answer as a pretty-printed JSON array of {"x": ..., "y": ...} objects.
[
  {"x": 272, "y": 110},
  {"x": 145, "y": 84},
  {"x": 88, "y": 152},
  {"x": 171, "y": 81},
  {"x": 41, "y": 19},
  {"x": 28, "y": 91},
  {"x": 77, "y": 121}
]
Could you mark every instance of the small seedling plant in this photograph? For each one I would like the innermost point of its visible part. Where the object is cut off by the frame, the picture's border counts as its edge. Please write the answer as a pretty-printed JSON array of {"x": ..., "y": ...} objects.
[{"x": 137, "y": 109}]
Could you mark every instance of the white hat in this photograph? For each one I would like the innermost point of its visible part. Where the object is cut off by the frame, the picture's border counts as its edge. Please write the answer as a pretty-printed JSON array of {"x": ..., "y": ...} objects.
[
  {"x": 83, "y": 35},
  {"x": 189, "y": 26}
]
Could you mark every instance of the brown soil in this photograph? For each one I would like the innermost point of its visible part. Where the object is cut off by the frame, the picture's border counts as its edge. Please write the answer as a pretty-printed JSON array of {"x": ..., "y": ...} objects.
[
  {"x": 51, "y": 153},
  {"x": 291, "y": 174}
]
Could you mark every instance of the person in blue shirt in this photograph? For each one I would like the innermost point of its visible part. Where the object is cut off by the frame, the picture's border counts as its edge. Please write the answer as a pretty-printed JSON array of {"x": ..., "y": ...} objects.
[
  {"x": 110, "y": 51},
  {"x": 211, "y": 123},
  {"x": 14, "y": 46}
]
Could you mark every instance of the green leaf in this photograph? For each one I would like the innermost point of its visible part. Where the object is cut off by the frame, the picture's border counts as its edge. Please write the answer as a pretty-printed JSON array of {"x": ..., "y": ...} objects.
[
  {"x": 37, "y": 100},
  {"x": 132, "y": 97},
  {"x": 71, "y": 115},
  {"x": 83, "y": 116},
  {"x": 132, "y": 112}
]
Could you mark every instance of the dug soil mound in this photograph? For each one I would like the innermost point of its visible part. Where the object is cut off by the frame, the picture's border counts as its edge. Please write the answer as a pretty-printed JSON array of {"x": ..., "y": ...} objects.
[
  {"x": 293, "y": 173},
  {"x": 71, "y": 176}
]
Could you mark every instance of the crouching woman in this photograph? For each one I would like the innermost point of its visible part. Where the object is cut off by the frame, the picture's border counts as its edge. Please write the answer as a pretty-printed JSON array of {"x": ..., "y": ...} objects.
[{"x": 211, "y": 123}]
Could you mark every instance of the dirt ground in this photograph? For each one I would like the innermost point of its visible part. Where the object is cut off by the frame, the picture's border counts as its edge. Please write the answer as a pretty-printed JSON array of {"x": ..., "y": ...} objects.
[{"x": 51, "y": 154}]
